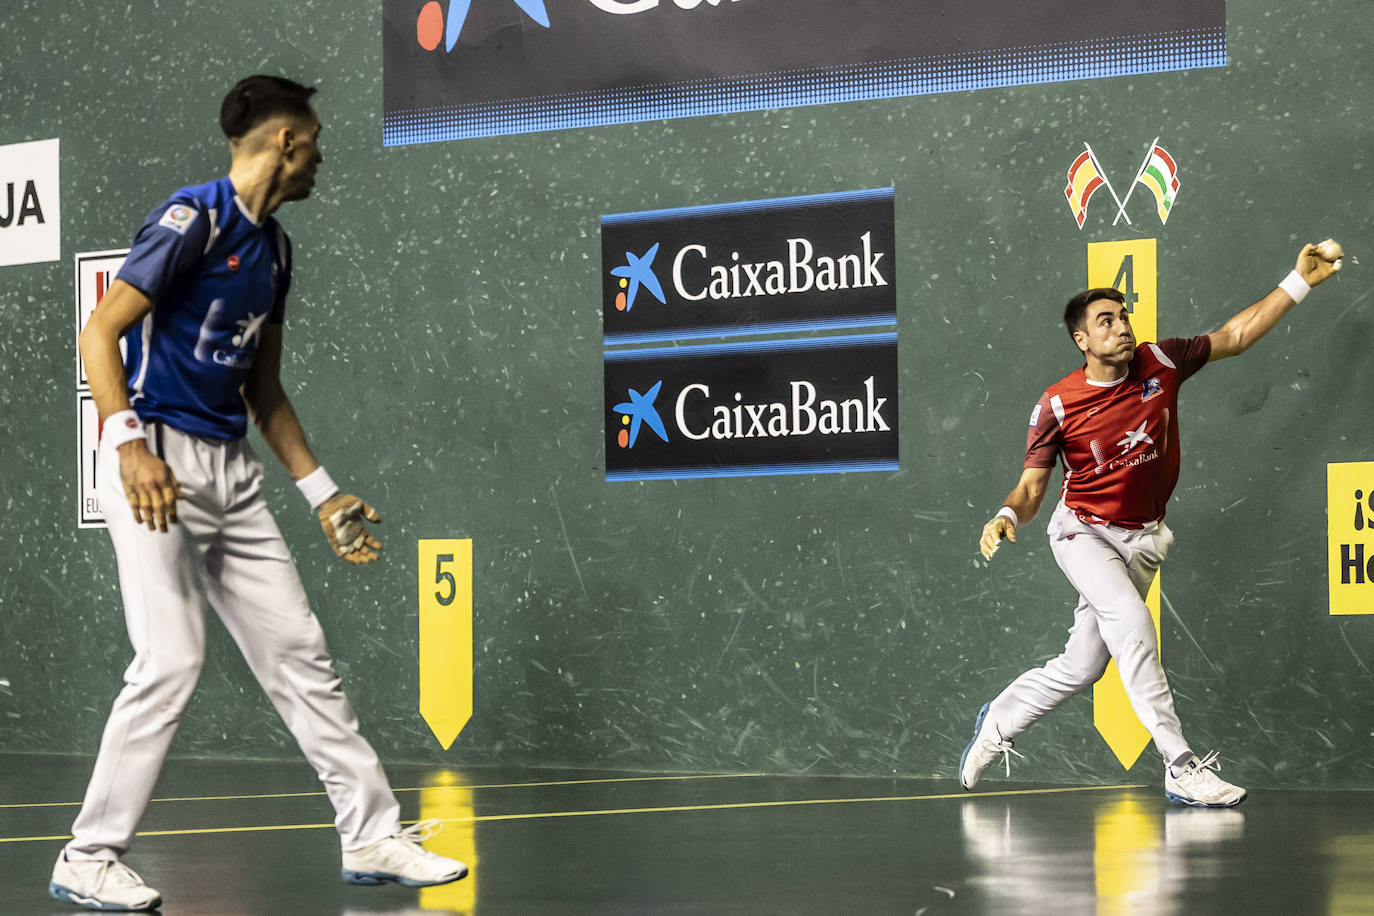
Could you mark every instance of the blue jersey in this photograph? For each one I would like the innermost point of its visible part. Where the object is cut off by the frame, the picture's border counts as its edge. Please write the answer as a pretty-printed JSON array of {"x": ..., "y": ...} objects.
[{"x": 215, "y": 278}]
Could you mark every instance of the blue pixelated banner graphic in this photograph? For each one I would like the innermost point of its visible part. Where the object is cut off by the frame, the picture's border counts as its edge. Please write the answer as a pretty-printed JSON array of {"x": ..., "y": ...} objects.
[{"x": 457, "y": 69}]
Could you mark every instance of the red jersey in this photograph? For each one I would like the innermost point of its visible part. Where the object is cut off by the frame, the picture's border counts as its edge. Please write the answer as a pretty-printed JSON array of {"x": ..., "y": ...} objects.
[{"x": 1118, "y": 440}]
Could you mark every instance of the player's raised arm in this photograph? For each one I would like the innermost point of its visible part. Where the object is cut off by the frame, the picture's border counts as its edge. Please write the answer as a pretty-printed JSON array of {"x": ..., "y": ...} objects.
[
  {"x": 1021, "y": 505},
  {"x": 1315, "y": 264}
]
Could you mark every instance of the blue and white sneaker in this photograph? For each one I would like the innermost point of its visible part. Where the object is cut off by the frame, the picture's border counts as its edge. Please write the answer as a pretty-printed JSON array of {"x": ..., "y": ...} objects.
[
  {"x": 987, "y": 743},
  {"x": 1197, "y": 785},
  {"x": 400, "y": 858},
  {"x": 101, "y": 884}
]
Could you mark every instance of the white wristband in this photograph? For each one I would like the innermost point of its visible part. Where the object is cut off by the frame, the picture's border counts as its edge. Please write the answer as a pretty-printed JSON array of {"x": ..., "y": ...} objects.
[
  {"x": 123, "y": 426},
  {"x": 1295, "y": 286},
  {"x": 1008, "y": 513},
  {"x": 317, "y": 487}
]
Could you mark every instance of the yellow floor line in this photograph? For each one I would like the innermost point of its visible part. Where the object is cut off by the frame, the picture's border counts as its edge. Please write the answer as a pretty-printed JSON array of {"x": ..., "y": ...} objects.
[
  {"x": 486, "y": 818},
  {"x": 499, "y": 785}
]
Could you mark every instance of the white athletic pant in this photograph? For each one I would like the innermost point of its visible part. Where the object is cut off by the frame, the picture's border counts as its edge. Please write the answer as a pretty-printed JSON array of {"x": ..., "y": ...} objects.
[
  {"x": 225, "y": 548},
  {"x": 1112, "y": 568}
]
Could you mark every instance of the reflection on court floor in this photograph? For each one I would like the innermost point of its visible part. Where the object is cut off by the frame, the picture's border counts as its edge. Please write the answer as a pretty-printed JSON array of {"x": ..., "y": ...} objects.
[{"x": 253, "y": 837}]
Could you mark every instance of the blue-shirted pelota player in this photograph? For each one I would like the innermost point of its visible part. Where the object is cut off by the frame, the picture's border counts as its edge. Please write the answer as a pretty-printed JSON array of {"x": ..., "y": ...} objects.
[{"x": 200, "y": 301}]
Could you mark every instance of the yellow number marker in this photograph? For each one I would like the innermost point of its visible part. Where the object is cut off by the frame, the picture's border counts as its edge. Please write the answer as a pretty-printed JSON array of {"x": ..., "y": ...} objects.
[
  {"x": 1130, "y": 267},
  {"x": 445, "y": 588}
]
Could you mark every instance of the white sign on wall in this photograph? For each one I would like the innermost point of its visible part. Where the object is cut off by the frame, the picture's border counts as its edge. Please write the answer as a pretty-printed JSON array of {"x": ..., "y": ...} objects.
[
  {"x": 30, "y": 203},
  {"x": 95, "y": 271}
]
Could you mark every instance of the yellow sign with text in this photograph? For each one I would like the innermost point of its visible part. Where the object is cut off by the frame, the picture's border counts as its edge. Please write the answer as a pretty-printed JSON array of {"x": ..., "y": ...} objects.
[
  {"x": 1132, "y": 268},
  {"x": 1350, "y": 536},
  {"x": 445, "y": 585}
]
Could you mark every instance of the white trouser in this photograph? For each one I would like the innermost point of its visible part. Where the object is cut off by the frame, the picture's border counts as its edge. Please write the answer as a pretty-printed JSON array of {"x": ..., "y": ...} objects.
[
  {"x": 1112, "y": 568},
  {"x": 225, "y": 548}
]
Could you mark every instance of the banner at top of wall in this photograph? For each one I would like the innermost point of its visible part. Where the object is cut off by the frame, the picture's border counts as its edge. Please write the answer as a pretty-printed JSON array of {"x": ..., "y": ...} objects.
[{"x": 455, "y": 69}]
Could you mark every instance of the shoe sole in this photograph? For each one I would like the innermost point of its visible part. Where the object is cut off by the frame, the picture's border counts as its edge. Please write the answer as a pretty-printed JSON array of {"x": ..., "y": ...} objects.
[
  {"x": 374, "y": 878},
  {"x": 1194, "y": 803},
  {"x": 977, "y": 728},
  {"x": 67, "y": 895}
]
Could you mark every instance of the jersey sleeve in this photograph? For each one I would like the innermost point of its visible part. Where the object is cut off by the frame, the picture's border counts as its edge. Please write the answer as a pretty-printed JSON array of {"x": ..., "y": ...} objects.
[
  {"x": 170, "y": 242},
  {"x": 284, "y": 282},
  {"x": 1044, "y": 437},
  {"x": 1188, "y": 354}
]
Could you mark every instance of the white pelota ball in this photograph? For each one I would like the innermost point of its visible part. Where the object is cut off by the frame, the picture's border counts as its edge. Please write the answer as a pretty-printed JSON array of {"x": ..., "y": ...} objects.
[{"x": 1330, "y": 250}]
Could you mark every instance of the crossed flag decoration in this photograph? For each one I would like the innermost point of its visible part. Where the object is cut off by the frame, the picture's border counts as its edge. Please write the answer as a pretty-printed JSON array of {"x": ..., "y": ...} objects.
[{"x": 1158, "y": 172}]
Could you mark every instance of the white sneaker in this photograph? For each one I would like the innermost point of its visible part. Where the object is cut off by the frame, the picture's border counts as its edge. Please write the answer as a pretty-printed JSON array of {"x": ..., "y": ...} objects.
[
  {"x": 987, "y": 743},
  {"x": 101, "y": 884},
  {"x": 402, "y": 859},
  {"x": 1196, "y": 784}
]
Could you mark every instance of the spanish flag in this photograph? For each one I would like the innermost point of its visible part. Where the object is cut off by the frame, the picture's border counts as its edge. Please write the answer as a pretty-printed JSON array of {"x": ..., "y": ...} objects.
[
  {"x": 1084, "y": 179},
  {"x": 1160, "y": 175}
]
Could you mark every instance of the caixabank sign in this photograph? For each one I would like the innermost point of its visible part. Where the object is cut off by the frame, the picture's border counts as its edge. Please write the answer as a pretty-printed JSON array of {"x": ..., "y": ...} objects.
[
  {"x": 798, "y": 271},
  {"x": 473, "y": 68},
  {"x": 807, "y": 406},
  {"x": 822, "y": 261}
]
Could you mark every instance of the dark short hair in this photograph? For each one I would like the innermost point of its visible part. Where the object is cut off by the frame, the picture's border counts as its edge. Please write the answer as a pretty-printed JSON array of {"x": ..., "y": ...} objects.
[
  {"x": 1073, "y": 312},
  {"x": 257, "y": 98}
]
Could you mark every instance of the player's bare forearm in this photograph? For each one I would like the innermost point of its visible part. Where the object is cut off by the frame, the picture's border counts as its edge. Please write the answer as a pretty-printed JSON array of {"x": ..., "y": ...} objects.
[
  {"x": 1249, "y": 325},
  {"x": 1024, "y": 500},
  {"x": 281, "y": 429},
  {"x": 271, "y": 409}
]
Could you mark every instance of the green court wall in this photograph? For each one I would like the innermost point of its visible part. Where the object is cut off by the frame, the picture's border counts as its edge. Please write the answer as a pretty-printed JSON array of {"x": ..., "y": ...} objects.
[{"x": 444, "y": 352}]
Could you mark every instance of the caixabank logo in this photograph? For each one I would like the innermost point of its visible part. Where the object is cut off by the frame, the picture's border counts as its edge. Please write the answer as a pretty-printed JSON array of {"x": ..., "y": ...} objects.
[
  {"x": 806, "y": 406},
  {"x": 816, "y": 262},
  {"x": 454, "y": 69}
]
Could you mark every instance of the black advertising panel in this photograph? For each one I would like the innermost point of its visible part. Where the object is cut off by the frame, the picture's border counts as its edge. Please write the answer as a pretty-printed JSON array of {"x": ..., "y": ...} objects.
[
  {"x": 472, "y": 68},
  {"x": 822, "y": 261},
  {"x": 813, "y": 405}
]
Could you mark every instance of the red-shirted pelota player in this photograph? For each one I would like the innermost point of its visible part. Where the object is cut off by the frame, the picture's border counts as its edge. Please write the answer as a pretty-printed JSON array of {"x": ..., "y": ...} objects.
[{"x": 1113, "y": 423}]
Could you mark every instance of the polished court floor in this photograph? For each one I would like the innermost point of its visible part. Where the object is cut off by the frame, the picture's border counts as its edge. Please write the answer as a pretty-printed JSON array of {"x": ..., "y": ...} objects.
[{"x": 256, "y": 838}]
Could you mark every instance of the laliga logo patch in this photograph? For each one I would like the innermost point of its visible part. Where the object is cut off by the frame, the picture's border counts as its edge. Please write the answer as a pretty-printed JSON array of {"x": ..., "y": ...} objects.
[{"x": 178, "y": 218}]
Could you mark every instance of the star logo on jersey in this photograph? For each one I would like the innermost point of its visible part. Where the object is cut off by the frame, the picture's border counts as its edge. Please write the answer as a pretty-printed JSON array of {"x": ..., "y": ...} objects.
[
  {"x": 636, "y": 272},
  {"x": 639, "y": 410},
  {"x": 1135, "y": 437},
  {"x": 250, "y": 327},
  {"x": 432, "y": 24}
]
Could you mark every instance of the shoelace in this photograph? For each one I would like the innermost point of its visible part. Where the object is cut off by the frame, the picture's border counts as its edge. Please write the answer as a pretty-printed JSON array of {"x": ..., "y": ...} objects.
[
  {"x": 117, "y": 874},
  {"x": 1003, "y": 747},
  {"x": 420, "y": 831},
  {"x": 1210, "y": 762}
]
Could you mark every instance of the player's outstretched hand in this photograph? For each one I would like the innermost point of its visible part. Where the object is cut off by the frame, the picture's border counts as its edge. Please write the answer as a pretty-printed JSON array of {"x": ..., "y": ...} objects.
[
  {"x": 993, "y": 533},
  {"x": 149, "y": 485},
  {"x": 1313, "y": 266},
  {"x": 342, "y": 519}
]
